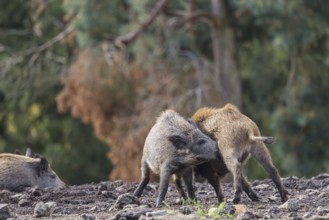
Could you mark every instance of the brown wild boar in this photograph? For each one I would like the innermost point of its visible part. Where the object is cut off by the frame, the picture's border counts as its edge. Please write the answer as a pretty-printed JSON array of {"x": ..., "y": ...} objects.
[
  {"x": 18, "y": 172},
  {"x": 237, "y": 137},
  {"x": 172, "y": 147}
]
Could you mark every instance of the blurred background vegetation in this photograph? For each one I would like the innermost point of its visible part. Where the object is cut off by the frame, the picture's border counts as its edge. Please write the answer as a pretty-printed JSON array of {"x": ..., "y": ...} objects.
[{"x": 82, "y": 81}]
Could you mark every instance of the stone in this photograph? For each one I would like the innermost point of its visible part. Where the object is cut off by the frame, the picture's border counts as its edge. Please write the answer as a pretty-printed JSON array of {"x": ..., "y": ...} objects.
[
  {"x": 156, "y": 213},
  {"x": 16, "y": 196},
  {"x": 51, "y": 204},
  {"x": 102, "y": 187},
  {"x": 133, "y": 213},
  {"x": 124, "y": 200},
  {"x": 178, "y": 201},
  {"x": 323, "y": 210},
  {"x": 35, "y": 191},
  {"x": 121, "y": 189},
  {"x": 290, "y": 205},
  {"x": 88, "y": 217},
  {"x": 230, "y": 209},
  {"x": 67, "y": 210},
  {"x": 307, "y": 215},
  {"x": 202, "y": 192},
  {"x": 246, "y": 216},
  {"x": 109, "y": 194},
  {"x": 151, "y": 187},
  {"x": 318, "y": 217},
  {"x": 239, "y": 209},
  {"x": 274, "y": 212},
  {"x": 186, "y": 210},
  {"x": 272, "y": 198},
  {"x": 303, "y": 197},
  {"x": 321, "y": 176},
  {"x": 41, "y": 210},
  {"x": 291, "y": 178},
  {"x": 130, "y": 206},
  {"x": 24, "y": 203},
  {"x": 261, "y": 186},
  {"x": 4, "y": 195},
  {"x": 213, "y": 211},
  {"x": 4, "y": 211},
  {"x": 94, "y": 208},
  {"x": 324, "y": 195},
  {"x": 117, "y": 183}
]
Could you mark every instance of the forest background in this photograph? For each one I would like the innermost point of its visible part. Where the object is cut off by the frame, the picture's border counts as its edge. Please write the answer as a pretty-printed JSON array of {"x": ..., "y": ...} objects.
[{"x": 82, "y": 81}]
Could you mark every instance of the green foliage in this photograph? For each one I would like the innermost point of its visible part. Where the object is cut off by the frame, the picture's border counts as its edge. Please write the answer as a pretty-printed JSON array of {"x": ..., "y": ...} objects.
[
  {"x": 28, "y": 87},
  {"x": 285, "y": 75},
  {"x": 82, "y": 158},
  {"x": 282, "y": 48},
  {"x": 213, "y": 212},
  {"x": 97, "y": 20}
]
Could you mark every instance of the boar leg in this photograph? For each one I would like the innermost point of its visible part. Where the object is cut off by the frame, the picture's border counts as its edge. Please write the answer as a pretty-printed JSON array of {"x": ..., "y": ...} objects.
[
  {"x": 248, "y": 190},
  {"x": 164, "y": 183},
  {"x": 237, "y": 174},
  {"x": 144, "y": 180},
  {"x": 179, "y": 186},
  {"x": 188, "y": 179},
  {"x": 207, "y": 172},
  {"x": 235, "y": 167},
  {"x": 262, "y": 155}
]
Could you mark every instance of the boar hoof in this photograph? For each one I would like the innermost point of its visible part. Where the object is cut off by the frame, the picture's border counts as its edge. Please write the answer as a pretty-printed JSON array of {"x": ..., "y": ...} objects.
[
  {"x": 159, "y": 204},
  {"x": 254, "y": 197},
  {"x": 236, "y": 200},
  {"x": 284, "y": 197},
  {"x": 220, "y": 199}
]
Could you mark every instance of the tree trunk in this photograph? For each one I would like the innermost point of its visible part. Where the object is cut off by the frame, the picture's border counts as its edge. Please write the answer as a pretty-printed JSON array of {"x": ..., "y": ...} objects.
[{"x": 226, "y": 69}]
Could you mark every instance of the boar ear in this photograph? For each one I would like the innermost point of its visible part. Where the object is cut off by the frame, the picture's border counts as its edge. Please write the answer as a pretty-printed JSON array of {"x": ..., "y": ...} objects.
[
  {"x": 178, "y": 141},
  {"x": 43, "y": 166},
  {"x": 192, "y": 122},
  {"x": 18, "y": 152},
  {"x": 28, "y": 152},
  {"x": 37, "y": 156}
]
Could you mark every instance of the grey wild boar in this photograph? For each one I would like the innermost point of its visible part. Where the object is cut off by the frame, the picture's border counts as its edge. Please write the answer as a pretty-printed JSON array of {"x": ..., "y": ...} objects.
[
  {"x": 237, "y": 137},
  {"x": 18, "y": 172},
  {"x": 173, "y": 145}
]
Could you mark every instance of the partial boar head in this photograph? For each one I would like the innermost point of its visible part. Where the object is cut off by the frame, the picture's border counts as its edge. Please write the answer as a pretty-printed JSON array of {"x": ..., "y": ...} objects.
[
  {"x": 194, "y": 147},
  {"x": 46, "y": 177}
]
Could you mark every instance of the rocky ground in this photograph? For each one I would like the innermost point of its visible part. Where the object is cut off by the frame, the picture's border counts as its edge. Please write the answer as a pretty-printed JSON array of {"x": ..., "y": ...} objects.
[{"x": 309, "y": 199}]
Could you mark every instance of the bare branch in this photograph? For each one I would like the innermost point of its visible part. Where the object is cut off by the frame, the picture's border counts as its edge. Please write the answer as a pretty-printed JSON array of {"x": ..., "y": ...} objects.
[
  {"x": 189, "y": 10},
  {"x": 49, "y": 43},
  {"x": 293, "y": 69},
  {"x": 18, "y": 58},
  {"x": 14, "y": 32},
  {"x": 201, "y": 15},
  {"x": 4, "y": 48},
  {"x": 131, "y": 36}
]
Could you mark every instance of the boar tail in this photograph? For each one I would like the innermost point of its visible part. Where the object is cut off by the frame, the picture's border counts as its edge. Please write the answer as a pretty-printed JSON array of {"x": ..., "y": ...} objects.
[{"x": 266, "y": 140}]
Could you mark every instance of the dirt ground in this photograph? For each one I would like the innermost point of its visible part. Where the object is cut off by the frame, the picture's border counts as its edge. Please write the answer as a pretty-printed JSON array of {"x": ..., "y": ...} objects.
[{"x": 309, "y": 199}]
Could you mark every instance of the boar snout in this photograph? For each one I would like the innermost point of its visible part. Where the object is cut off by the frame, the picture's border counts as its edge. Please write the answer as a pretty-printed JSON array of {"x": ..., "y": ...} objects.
[
  {"x": 206, "y": 150},
  {"x": 215, "y": 151}
]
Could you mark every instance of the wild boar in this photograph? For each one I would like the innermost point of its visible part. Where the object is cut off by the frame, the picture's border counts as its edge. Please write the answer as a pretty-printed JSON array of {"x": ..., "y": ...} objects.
[
  {"x": 173, "y": 145},
  {"x": 18, "y": 172},
  {"x": 237, "y": 137}
]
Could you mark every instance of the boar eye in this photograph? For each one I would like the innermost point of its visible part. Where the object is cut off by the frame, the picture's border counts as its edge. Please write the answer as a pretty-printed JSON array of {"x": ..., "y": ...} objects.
[{"x": 202, "y": 141}]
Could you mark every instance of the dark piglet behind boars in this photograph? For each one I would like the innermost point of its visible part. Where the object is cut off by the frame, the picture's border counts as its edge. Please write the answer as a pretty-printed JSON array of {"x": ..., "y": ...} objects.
[
  {"x": 172, "y": 147},
  {"x": 18, "y": 172}
]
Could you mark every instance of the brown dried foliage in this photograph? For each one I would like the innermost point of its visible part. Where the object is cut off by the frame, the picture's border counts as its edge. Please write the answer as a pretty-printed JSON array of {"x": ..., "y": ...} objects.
[{"x": 123, "y": 103}]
